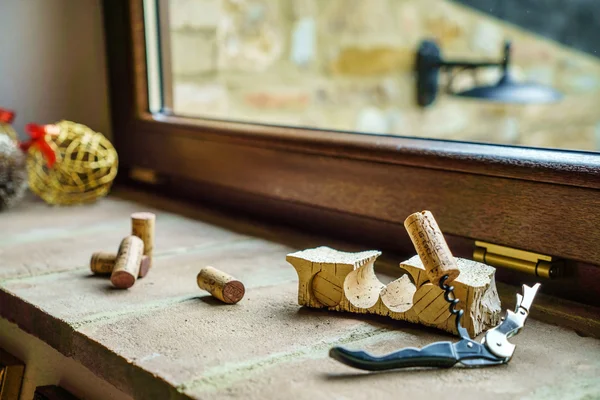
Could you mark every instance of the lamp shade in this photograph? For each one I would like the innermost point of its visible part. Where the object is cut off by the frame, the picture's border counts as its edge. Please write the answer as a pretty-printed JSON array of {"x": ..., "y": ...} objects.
[{"x": 509, "y": 91}]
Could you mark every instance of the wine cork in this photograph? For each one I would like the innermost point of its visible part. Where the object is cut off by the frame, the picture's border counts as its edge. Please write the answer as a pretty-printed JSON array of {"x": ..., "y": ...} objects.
[
  {"x": 221, "y": 285},
  {"x": 431, "y": 247},
  {"x": 142, "y": 226},
  {"x": 103, "y": 264},
  {"x": 127, "y": 264}
]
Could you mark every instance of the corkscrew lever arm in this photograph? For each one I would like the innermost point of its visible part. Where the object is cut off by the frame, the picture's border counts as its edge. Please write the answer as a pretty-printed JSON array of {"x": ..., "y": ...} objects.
[{"x": 441, "y": 355}]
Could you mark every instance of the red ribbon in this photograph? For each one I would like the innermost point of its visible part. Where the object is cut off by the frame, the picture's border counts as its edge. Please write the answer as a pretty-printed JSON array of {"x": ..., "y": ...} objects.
[
  {"x": 38, "y": 138},
  {"x": 6, "y": 116}
]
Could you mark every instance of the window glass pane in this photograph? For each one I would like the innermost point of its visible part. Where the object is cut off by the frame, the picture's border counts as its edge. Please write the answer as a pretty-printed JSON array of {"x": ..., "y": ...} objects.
[
  {"x": 152, "y": 55},
  {"x": 350, "y": 65}
]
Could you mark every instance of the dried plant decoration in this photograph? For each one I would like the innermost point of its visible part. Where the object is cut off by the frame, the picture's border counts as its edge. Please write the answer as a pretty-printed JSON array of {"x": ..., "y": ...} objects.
[{"x": 13, "y": 176}]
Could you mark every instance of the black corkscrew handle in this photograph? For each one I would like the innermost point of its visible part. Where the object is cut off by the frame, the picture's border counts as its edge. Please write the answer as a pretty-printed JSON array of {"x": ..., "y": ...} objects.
[{"x": 437, "y": 355}]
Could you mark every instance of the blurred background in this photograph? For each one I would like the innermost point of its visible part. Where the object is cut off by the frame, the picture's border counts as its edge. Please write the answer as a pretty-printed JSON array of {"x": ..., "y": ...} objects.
[
  {"x": 349, "y": 65},
  {"x": 330, "y": 64}
]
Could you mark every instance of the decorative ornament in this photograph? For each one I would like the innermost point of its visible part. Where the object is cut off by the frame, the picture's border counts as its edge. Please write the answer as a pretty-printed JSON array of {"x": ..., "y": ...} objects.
[
  {"x": 6, "y": 119},
  {"x": 13, "y": 176},
  {"x": 69, "y": 163}
]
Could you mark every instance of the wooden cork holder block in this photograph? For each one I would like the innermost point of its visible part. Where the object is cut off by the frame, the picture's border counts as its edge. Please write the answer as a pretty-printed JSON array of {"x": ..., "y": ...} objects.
[{"x": 341, "y": 281}]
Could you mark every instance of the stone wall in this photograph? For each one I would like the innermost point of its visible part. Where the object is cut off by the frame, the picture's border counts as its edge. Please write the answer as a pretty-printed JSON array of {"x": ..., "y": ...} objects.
[{"x": 347, "y": 65}]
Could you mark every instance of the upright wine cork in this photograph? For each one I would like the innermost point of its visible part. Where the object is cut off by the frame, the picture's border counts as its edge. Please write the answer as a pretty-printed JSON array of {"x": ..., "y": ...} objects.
[
  {"x": 142, "y": 226},
  {"x": 221, "y": 285},
  {"x": 103, "y": 264},
  {"x": 127, "y": 264},
  {"x": 431, "y": 247}
]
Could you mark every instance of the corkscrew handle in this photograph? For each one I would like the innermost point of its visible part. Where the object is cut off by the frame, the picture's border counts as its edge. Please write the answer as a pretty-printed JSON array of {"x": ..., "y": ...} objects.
[{"x": 440, "y": 355}]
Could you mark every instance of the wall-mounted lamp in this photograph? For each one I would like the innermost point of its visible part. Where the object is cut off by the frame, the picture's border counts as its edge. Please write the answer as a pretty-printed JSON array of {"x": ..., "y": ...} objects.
[{"x": 429, "y": 63}]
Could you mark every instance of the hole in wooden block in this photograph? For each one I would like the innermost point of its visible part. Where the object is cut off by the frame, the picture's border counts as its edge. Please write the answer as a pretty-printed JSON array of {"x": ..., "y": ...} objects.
[
  {"x": 362, "y": 286},
  {"x": 327, "y": 288},
  {"x": 398, "y": 295}
]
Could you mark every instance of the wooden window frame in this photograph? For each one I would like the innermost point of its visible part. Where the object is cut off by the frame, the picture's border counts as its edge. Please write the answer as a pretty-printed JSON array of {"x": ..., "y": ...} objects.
[{"x": 357, "y": 185}]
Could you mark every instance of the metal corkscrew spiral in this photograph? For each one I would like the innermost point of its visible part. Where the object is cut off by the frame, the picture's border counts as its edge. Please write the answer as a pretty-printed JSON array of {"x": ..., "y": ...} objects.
[{"x": 449, "y": 290}]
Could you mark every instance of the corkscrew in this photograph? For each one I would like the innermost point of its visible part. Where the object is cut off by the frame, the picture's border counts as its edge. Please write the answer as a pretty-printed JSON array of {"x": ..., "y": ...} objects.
[
  {"x": 493, "y": 350},
  {"x": 440, "y": 266},
  {"x": 449, "y": 290}
]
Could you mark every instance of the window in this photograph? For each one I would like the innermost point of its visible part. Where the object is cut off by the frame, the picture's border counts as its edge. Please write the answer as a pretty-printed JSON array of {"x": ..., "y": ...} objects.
[
  {"x": 260, "y": 128},
  {"x": 349, "y": 66}
]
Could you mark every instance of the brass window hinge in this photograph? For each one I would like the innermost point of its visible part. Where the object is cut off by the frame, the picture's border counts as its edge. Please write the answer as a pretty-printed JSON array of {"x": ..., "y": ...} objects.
[
  {"x": 145, "y": 175},
  {"x": 520, "y": 260}
]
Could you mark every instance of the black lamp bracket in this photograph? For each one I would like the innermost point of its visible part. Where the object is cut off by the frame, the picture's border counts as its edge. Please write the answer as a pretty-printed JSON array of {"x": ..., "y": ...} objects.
[{"x": 429, "y": 63}]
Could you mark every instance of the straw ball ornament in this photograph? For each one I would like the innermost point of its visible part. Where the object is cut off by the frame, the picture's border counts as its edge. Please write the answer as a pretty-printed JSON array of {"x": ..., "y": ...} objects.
[
  {"x": 69, "y": 163},
  {"x": 13, "y": 176}
]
